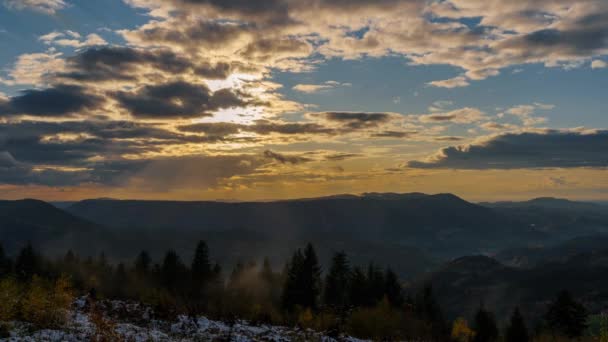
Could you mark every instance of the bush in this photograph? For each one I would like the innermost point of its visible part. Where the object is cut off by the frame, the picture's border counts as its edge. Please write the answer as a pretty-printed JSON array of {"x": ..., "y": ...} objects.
[
  {"x": 10, "y": 294},
  {"x": 46, "y": 305},
  {"x": 379, "y": 323}
]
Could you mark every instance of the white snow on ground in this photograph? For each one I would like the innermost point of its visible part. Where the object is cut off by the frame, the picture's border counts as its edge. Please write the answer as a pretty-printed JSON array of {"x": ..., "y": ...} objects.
[{"x": 80, "y": 329}]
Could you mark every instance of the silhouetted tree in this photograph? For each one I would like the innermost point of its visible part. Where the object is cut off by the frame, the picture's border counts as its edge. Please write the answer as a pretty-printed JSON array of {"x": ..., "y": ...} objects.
[
  {"x": 358, "y": 288},
  {"x": 485, "y": 326},
  {"x": 28, "y": 263},
  {"x": 392, "y": 289},
  {"x": 201, "y": 266},
  {"x": 429, "y": 310},
  {"x": 516, "y": 330},
  {"x": 6, "y": 265},
  {"x": 142, "y": 263},
  {"x": 336, "y": 294},
  {"x": 375, "y": 284},
  {"x": 172, "y": 271},
  {"x": 266, "y": 273},
  {"x": 303, "y": 280},
  {"x": 566, "y": 316}
]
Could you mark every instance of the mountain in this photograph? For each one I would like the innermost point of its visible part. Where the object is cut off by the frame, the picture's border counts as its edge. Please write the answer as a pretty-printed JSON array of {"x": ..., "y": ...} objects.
[
  {"x": 534, "y": 256},
  {"x": 44, "y": 225},
  {"x": 550, "y": 203},
  {"x": 464, "y": 283},
  {"x": 442, "y": 224},
  {"x": 560, "y": 218}
]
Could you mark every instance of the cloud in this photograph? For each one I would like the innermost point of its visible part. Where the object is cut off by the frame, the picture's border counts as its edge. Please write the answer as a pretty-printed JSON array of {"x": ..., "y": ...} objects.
[
  {"x": 72, "y": 39},
  {"x": 262, "y": 127},
  {"x": 528, "y": 150},
  {"x": 354, "y": 120},
  {"x": 43, "y": 6},
  {"x": 35, "y": 68},
  {"x": 314, "y": 88},
  {"x": 456, "y": 82},
  {"x": 461, "y": 116},
  {"x": 177, "y": 99},
  {"x": 598, "y": 64},
  {"x": 285, "y": 158},
  {"x": 59, "y": 100}
]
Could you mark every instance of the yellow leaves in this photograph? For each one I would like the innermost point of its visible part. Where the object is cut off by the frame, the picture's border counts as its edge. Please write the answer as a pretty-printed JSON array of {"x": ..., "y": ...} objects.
[
  {"x": 10, "y": 292},
  {"x": 461, "y": 331},
  {"x": 46, "y": 305}
]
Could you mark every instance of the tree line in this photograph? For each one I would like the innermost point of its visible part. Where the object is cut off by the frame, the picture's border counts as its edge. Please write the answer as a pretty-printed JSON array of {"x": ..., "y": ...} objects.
[{"x": 366, "y": 302}]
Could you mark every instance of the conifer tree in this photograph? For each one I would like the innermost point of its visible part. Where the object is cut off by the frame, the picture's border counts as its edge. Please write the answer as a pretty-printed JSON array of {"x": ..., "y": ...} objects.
[
  {"x": 485, "y": 326},
  {"x": 142, "y": 263},
  {"x": 201, "y": 266},
  {"x": 5, "y": 263},
  {"x": 392, "y": 289},
  {"x": 28, "y": 263},
  {"x": 516, "y": 330},
  {"x": 375, "y": 284},
  {"x": 358, "y": 288},
  {"x": 566, "y": 316},
  {"x": 336, "y": 294},
  {"x": 429, "y": 310},
  {"x": 172, "y": 271},
  {"x": 266, "y": 273},
  {"x": 311, "y": 278}
]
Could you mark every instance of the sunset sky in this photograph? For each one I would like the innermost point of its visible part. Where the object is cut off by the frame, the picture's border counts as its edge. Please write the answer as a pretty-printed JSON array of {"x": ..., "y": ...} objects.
[{"x": 251, "y": 100}]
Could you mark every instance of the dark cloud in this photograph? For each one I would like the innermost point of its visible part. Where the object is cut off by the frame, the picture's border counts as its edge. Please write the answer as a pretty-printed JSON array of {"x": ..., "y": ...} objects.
[
  {"x": 354, "y": 120},
  {"x": 551, "y": 149},
  {"x": 59, "y": 100},
  {"x": 177, "y": 99},
  {"x": 394, "y": 134},
  {"x": 341, "y": 156},
  {"x": 285, "y": 159},
  {"x": 122, "y": 63},
  {"x": 262, "y": 127},
  {"x": 268, "y": 49}
]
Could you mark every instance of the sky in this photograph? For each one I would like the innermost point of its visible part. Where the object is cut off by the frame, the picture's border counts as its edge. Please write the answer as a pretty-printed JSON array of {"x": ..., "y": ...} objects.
[{"x": 275, "y": 99}]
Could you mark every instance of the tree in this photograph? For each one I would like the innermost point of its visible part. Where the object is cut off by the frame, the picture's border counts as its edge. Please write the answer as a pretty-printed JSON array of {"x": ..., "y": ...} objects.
[
  {"x": 311, "y": 278},
  {"x": 6, "y": 264},
  {"x": 303, "y": 280},
  {"x": 375, "y": 284},
  {"x": 142, "y": 263},
  {"x": 429, "y": 310},
  {"x": 28, "y": 263},
  {"x": 335, "y": 294},
  {"x": 566, "y": 316},
  {"x": 461, "y": 331},
  {"x": 358, "y": 288},
  {"x": 172, "y": 271},
  {"x": 201, "y": 266},
  {"x": 516, "y": 330},
  {"x": 392, "y": 289},
  {"x": 485, "y": 326}
]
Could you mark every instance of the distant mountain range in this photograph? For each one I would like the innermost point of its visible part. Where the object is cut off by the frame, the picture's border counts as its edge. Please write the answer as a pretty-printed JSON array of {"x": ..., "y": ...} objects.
[
  {"x": 464, "y": 284},
  {"x": 411, "y": 232}
]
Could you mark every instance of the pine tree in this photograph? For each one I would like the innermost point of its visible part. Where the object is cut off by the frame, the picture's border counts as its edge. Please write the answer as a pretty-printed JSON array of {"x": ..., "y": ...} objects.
[
  {"x": 485, "y": 326},
  {"x": 358, "y": 288},
  {"x": 429, "y": 310},
  {"x": 172, "y": 271},
  {"x": 28, "y": 263},
  {"x": 335, "y": 294},
  {"x": 303, "y": 280},
  {"x": 142, "y": 263},
  {"x": 392, "y": 289},
  {"x": 266, "y": 273},
  {"x": 566, "y": 316},
  {"x": 375, "y": 284},
  {"x": 201, "y": 266},
  {"x": 6, "y": 265},
  {"x": 311, "y": 278},
  {"x": 516, "y": 330}
]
